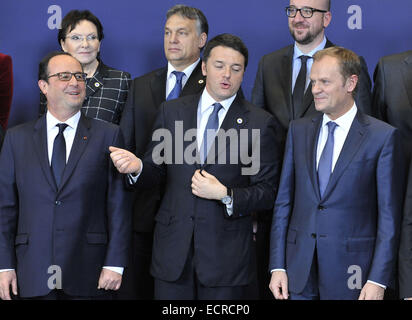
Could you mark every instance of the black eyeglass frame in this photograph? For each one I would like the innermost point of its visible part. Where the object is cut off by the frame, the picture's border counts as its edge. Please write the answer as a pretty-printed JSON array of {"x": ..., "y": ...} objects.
[
  {"x": 82, "y": 76},
  {"x": 312, "y": 10}
]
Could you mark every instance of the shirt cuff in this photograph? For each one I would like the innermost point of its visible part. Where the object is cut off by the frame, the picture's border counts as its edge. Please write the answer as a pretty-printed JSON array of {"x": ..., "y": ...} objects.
[
  {"x": 115, "y": 269},
  {"x": 133, "y": 178},
  {"x": 378, "y": 284},
  {"x": 273, "y": 270},
  {"x": 4, "y": 270}
]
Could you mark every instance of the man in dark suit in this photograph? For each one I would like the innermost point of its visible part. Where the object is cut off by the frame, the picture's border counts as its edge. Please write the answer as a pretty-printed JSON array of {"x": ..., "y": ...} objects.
[
  {"x": 392, "y": 95},
  {"x": 185, "y": 35},
  {"x": 282, "y": 87},
  {"x": 337, "y": 215},
  {"x": 64, "y": 214},
  {"x": 203, "y": 233}
]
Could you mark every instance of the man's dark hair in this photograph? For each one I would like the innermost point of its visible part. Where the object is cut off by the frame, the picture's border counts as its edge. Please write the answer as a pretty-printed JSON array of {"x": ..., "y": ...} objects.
[
  {"x": 192, "y": 14},
  {"x": 72, "y": 19},
  {"x": 229, "y": 41},
  {"x": 44, "y": 64}
]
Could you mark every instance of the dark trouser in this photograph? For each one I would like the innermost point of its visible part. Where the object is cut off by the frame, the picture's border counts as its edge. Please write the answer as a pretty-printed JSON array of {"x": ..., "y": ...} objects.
[
  {"x": 311, "y": 290},
  {"x": 188, "y": 287},
  {"x": 262, "y": 259},
  {"x": 60, "y": 295},
  {"x": 137, "y": 283}
]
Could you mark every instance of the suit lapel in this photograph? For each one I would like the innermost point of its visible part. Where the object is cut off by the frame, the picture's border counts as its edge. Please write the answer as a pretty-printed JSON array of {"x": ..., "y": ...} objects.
[
  {"x": 354, "y": 140},
  {"x": 312, "y": 137},
  {"x": 188, "y": 114},
  {"x": 80, "y": 142},
  {"x": 196, "y": 81},
  {"x": 40, "y": 143},
  {"x": 96, "y": 82},
  {"x": 407, "y": 77},
  {"x": 158, "y": 86}
]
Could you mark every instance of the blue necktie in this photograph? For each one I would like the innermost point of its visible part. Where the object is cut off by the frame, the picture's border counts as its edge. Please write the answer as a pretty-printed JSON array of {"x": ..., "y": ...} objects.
[
  {"x": 210, "y": 131},
  {"x": 58, "y": 161},
  {"x": 325, "y": 161},
  {"x": 175, "y": 93}
]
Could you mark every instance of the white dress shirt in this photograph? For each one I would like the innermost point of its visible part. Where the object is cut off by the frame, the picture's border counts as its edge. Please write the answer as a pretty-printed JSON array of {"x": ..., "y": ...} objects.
[
  {"x": 69, "y": 133},
  {"x": 171, "y": 78}
]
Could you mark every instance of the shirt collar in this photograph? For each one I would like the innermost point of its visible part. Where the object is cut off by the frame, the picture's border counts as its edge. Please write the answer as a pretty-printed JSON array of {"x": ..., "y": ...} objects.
[
  {"x": 297, "y": 53},
  {"x": 206, "y": 101},
  {"x": 188, "y": 71},
  {"x": 344, "y": 121},
  {"x": 72, "y": 122}
]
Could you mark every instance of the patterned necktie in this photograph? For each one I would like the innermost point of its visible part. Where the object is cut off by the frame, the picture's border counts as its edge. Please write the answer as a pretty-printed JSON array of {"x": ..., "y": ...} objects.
[
  {"x": 299, "y": 90},
  {"x": 210, "y": 131},
  {"x": 325, "y": 161},
  {"x": 175, "y": 93},
  {"x": 58, "y": 161}
]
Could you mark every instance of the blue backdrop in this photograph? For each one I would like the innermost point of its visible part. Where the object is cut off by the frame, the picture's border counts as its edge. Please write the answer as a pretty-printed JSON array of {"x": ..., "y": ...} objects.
[{"x": 134, "y": 34}]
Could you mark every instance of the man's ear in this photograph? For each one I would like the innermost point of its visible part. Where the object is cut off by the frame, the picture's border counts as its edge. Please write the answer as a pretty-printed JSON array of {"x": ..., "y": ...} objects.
[
  {"x": 204, "y": 68},
  {"x": 43, "y": 85},
  {"x": 202, "y": 40},
  {"x": 352, "y": 81},
  {"x": 327, "y": 18}
]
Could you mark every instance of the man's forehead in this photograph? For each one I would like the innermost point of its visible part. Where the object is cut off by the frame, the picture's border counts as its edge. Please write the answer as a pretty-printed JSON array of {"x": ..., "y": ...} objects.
[
  {"x": 220, "y": 52},
  {"x": 179, "y": 21},
  {"x": 319, "y": 4},
  {"x": 63, "y": 62},
  {"x": 326, "y": 64}
]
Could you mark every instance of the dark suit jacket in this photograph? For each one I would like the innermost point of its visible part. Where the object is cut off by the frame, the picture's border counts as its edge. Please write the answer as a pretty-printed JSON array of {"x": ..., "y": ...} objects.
[
  {"x": 6, "y": 88},
  {"x": 222, "y": 244},
  {"x": 80, "y": 227},
  {"x": 392, "y": 95},
  {"x": 356, "y": 223},
  {"x": 145, "y": 96},
  {"x": 273, "y": 89}
]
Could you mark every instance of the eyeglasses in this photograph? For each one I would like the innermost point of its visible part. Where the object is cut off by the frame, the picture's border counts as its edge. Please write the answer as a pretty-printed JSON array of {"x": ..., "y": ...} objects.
[
  {"x": 305, "y": 12},
  {"x": 67, "y": 76},
  {"x": 77, "y": 38}
]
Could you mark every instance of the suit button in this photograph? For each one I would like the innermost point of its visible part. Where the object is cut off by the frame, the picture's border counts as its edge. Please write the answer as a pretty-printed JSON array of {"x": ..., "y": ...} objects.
[
  {"x": 58, "y": 203},
  {"x": 321, "y": 208},
  {"x": 313, "y": 235},
  {"x": 192, "y": 218}
]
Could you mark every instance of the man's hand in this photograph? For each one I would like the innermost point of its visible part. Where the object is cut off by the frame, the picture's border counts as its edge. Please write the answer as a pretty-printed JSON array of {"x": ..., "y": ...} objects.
[
  {"x": 125, "y": 161},
  {"x": 279, "y": 285},
  {"x": 205, "y": 185},
  {"x": 8, "y": 278},
  {"x": 109, "y": 280},
  {"x": 371, "y": 291}
]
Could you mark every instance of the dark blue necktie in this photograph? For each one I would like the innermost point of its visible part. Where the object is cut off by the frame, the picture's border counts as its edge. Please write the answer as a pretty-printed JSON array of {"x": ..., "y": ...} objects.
[
  {"x": 175, "y": 93},
  {"x": 210, "y": 131},
  {"x": 325, "y": 161},
  {"x": 58, "y": 161},
  {"x": 299, "y": 89}
]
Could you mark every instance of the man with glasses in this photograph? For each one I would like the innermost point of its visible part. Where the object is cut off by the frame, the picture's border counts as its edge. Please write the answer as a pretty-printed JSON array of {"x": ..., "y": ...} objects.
[
  {"x": 56, "y": 240},
  {"x": 282, "y": 87}
]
